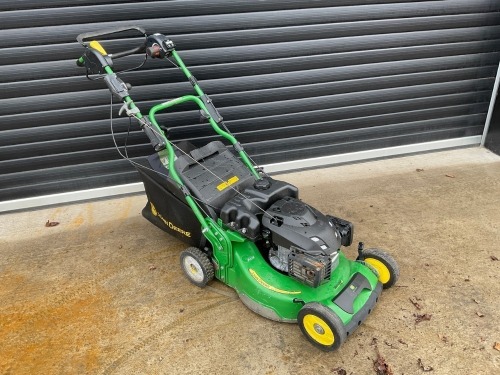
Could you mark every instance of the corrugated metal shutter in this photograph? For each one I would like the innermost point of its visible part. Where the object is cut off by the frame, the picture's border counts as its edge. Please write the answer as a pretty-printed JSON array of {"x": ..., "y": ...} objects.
[{"x": 293, "y": 79}]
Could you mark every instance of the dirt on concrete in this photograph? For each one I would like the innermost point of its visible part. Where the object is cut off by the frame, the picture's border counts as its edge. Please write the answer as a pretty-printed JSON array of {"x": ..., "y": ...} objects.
[{"x": 103, "y": 292}]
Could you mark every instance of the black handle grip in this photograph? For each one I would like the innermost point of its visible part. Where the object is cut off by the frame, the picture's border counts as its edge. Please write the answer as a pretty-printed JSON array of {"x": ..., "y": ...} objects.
[
  {"x": 92, "y": 34},
  {"x": 117, "y": 55}
]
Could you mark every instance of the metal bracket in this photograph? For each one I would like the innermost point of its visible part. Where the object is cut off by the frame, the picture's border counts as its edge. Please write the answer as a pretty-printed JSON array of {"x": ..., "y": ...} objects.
[
  {"x": 238, "y": 147},
  {"x": 193, "y": 80},
  {"x": 212, "y": 111},
  {"x": 116, "y": 85},
  {"x": 185, "y": 190}
]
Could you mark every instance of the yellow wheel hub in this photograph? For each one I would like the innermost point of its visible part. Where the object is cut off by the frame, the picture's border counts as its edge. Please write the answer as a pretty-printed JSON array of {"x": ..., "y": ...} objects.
[
  {"x": 384, "y": 275},
  {"x": 318, "y": 330}
]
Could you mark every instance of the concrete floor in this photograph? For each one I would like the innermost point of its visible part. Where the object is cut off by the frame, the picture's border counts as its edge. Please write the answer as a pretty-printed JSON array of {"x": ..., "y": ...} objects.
[{"x": 103, "y": 292}]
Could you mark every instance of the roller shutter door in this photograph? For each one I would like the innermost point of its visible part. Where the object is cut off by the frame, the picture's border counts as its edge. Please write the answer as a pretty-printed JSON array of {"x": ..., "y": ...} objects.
[{"x": 293, "y": 80}]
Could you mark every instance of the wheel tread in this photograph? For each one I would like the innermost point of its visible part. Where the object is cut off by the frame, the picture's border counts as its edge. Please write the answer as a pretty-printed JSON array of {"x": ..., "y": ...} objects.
[
  {"x": 205, "y": 263},
  {"x": 330, "y": 317},
  {"x": 388, "y": 260}
]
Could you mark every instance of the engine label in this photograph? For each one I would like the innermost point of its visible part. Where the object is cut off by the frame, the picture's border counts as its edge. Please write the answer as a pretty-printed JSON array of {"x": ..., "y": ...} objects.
[{"x": 270, "y": 287}]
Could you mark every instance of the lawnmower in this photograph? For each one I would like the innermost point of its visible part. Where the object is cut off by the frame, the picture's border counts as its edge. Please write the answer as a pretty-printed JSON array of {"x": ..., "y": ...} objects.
[{"x": 248, "y": 230}]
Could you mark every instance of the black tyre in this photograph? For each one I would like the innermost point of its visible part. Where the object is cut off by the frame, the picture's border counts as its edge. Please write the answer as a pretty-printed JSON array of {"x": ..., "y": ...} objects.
[
  {"x": 384, "y": 264},
  {"x": 197, "y": 266},
  {"x": 321, "y": 326}
]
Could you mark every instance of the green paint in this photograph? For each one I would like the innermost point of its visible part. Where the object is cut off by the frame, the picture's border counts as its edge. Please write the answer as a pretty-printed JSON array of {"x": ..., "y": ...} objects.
[{"x": 254, "y": 277}]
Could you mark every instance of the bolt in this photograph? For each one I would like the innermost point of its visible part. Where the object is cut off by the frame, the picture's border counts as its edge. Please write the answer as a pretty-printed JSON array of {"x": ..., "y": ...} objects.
[
  {"x": 361, "y": 246},
  {"x": 319, "y": 329}
]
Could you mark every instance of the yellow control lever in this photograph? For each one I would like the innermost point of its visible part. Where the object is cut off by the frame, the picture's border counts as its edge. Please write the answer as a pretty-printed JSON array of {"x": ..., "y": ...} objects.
[{"x": 98, "y": 47}]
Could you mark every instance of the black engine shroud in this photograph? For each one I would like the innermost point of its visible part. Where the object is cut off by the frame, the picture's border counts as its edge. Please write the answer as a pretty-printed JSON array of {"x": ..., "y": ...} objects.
[{"x": 304, "y": 242}]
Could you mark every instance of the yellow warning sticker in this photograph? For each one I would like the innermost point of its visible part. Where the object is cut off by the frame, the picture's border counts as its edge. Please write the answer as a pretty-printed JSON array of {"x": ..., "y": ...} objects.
[{"x": 228, "y": 183}]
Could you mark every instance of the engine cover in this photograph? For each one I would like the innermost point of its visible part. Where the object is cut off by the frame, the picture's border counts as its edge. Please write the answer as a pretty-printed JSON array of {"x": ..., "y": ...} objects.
[
  {"x": 304, "y": 242},
  {"x": 294, "y": 223}
]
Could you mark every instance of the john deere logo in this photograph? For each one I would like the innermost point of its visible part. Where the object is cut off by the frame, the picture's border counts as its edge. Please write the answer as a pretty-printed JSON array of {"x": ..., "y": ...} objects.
[
  {"x": 153, "y": 210},
  {"x": 168, "y": 223},
  {"x": 270, "y": 287}
]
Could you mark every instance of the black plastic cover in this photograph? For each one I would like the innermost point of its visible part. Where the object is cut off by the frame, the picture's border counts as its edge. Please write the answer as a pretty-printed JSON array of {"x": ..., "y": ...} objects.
[
  {"x": 345, "y": 228},
  {"x": 242, "y": 212},
  {"x": 213, "y": 174},
  {"x": 116, "y": 85},
  {"x": 294, "y": 223},
  {"x": 362, "y": 313},
  {"x": 95, "y": 62},
  {"x": 168, "y": 210},
  {"x": 345, "y": 300}
]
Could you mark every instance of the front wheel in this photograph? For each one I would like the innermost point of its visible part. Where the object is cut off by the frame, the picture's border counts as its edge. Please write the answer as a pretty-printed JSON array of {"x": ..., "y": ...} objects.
[
  {"x": 384, "y": 264},
  {"x": 197, "y": 266},
  {"x": 321, "y": 326}
]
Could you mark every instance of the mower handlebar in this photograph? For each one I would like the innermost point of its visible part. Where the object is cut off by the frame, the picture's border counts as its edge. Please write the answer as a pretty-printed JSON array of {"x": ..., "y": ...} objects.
[
  {"x": 92, "y": 34},
  {"x": 140, "y": 48},
  {"x": 82, "y": 39}
]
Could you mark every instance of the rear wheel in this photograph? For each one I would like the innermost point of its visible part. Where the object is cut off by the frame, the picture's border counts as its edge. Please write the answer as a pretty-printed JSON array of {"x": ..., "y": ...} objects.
[
  {"x": 321, "y": 326},
  {"x": 197, "y": 266},
  {"x": 384, "y": 264}
]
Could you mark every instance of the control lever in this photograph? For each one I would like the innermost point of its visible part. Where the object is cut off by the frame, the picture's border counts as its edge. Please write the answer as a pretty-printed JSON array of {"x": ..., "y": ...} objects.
[
  {"x": 131, "y": 112},
  {"x": 159, "y": 46}
]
